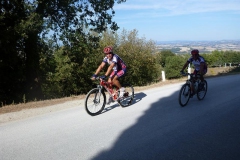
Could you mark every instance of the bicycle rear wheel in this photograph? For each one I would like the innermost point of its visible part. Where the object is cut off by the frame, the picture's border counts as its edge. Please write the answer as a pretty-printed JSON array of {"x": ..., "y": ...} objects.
[
  {"x": 95, "y": 102},
  {"x": 128, "y": 96},
  {"x": 184, "y": 95},
  {"x": 202, "y": 91}
]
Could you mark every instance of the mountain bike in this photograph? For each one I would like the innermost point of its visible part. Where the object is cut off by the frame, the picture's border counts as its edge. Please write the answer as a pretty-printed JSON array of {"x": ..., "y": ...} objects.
[
  {"x": 186, "y": 92},
  {"x": 96, "y": 98}
]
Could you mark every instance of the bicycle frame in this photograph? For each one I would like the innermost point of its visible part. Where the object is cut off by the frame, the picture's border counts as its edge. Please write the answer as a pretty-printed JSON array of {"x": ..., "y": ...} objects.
[
  {"x": 111, "y": 92},
  {"x": 193, "y": 78}
]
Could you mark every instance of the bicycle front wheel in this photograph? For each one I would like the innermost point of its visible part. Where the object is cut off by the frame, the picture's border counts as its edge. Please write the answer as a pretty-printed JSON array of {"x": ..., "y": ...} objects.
[
  {"x": 95, "y": 102},
  {"x": 184, "y": 95},
  {"x": 202, "y": 91},
  {"x": 128, "y": 96}
]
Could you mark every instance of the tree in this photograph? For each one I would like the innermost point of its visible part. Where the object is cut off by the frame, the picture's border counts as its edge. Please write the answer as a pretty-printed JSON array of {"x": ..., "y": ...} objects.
[
  {"x": 138, "y": 53},
  {"x": 24, "y": 23},
  {"x": 231, "y": 57},
  {"x": 13, "y": 23},
  {"x": 217, "y": 57},
  {"x": 162, "y": 56},
  {"x": 173, "y": 66}
]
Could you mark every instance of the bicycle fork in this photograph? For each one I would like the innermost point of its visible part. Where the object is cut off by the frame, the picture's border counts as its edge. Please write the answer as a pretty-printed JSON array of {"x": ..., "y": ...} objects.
[
  {"x": 191, "y": 86},
  {"x": 98, "y": 94}
]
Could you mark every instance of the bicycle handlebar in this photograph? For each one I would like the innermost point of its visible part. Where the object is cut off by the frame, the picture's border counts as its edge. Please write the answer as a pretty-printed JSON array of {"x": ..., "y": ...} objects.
[
  {"x": 190, "y": 74},
  {"x": 103, "y": 81},
  {"x": 98, "y": 78}
]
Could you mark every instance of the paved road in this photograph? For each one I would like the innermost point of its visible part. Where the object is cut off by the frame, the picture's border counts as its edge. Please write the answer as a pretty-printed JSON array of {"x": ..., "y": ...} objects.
[{"x": 154, "y": 127}]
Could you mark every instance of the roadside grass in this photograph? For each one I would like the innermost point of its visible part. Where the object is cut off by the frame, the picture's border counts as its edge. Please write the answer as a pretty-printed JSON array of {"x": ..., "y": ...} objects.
[{"x": 223, "y": 71}]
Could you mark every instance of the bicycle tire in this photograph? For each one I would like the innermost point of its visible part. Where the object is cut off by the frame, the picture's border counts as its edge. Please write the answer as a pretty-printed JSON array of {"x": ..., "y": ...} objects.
[
  {"x": 184, "y": 95},
  {"x": 128, "y": 97},
  {"x": 202, "y": 93},
  {"x": 95, "y": 106}
]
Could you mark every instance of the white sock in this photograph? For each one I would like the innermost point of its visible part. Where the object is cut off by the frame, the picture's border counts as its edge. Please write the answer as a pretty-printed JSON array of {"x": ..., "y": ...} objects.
[{"x": 122, "y": 89}]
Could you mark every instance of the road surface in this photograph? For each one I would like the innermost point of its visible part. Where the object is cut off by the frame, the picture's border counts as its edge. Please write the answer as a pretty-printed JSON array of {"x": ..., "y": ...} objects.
[{"x": 154, "y": 127}]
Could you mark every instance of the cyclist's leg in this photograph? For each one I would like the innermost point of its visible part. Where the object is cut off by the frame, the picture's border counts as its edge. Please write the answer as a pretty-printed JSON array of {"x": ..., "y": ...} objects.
[
  {"x": 119, "y": 74},
  {"x": 115, "y": 77},
  {"x": 192, "y": 87},
  {"x": 111, "y": 82},
  {"x": 202, "y": 79},
  {"x": 204, "y": 72},
  {"x": 201, "y": 76}
]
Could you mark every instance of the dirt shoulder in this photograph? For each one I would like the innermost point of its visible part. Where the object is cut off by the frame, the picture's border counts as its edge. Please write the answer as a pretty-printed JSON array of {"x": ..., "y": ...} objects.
[{"x": 21, "y": 111}]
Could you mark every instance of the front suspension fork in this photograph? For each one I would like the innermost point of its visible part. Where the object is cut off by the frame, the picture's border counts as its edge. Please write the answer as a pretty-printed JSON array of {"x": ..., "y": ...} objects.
[{"x": 98, "y": 94}]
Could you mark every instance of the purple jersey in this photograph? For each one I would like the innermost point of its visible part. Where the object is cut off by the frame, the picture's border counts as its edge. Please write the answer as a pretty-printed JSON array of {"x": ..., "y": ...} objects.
[
  {"x": 197, "y": 62},
  {"x": 119, "y": 63}
]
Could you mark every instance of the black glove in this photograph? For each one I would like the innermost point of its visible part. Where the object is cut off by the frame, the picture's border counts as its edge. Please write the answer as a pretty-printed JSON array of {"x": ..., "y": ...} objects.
[
  {"x": 103, "y": 77},
  {"x": 94, "y": 76}
]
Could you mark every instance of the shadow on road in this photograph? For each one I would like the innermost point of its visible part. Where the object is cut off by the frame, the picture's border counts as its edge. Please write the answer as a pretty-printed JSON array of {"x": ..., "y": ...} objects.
[
  {"x": 137, "y": 98},
  {"x": 168, "y": 131}
]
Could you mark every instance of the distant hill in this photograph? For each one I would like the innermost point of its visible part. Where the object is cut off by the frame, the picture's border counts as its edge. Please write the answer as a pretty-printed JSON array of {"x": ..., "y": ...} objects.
[{"x": 180, "y": 47}]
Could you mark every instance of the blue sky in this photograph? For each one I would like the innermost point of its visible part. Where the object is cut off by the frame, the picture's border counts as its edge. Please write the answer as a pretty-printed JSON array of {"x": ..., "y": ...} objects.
[{"x": 170, "y": 20}]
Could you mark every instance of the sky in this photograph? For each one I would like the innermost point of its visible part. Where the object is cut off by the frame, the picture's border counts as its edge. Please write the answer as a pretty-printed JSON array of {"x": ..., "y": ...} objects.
[{"x": 187, "y": 20}]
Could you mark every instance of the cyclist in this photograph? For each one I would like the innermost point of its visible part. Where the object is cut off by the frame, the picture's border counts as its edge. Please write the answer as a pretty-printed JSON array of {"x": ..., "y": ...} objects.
[
  {"x": 200, "y": 66},
  {"x": 117, "y": 68}
]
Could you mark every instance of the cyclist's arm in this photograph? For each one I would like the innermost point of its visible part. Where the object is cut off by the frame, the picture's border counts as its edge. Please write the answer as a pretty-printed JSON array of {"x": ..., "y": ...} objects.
[
  {"x": 109, "y": 69},
  {"x": 185, "y": 65},
  {"x": 100, "y": 67}
]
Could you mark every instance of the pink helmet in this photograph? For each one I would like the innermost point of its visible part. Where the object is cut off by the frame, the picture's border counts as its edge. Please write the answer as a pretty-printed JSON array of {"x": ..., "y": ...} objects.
[
  {"x": 195, "y": 52},
  {"x": 108, "y": 49}
]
